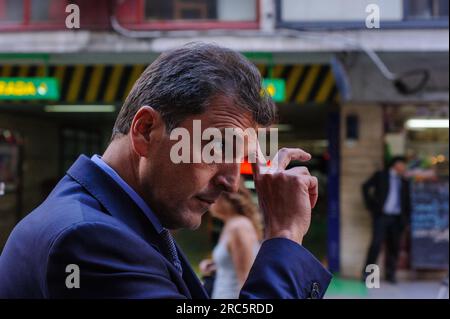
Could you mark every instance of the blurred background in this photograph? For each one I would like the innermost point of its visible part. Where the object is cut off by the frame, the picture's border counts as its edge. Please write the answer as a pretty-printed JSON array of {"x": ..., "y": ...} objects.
[{"x": 352, "y": 89}]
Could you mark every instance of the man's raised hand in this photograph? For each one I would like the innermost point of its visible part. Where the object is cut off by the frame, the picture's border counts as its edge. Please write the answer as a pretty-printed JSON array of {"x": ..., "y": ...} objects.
[{"x": 286, "y": 196}]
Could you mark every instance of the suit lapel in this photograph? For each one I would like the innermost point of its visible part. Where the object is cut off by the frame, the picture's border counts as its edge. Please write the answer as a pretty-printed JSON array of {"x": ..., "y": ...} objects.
[{"x": 112, "y": 197}]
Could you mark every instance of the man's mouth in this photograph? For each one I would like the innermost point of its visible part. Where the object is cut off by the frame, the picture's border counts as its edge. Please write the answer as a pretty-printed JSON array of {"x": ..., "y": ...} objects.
[{"x": 207, "y": 200}]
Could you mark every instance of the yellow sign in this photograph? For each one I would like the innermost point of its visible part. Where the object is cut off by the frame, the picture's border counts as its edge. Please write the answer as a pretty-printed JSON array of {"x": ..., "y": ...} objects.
[
  {"x": 28, "y": 89},
  {"x": 275, "y": 88}
]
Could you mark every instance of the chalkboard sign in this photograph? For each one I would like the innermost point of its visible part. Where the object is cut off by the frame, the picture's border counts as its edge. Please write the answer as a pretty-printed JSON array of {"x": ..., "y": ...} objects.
[{"x": 429, "y": 225}]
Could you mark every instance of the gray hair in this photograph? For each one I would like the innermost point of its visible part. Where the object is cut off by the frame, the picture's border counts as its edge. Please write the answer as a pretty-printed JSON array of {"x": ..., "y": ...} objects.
[{"x": 181, "y": 83}]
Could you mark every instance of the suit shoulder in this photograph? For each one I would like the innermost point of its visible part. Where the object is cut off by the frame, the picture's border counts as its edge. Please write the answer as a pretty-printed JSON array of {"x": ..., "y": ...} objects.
[
  {"x": 67, "y": 205},
  {"x": 101, "y": 249},
  {"x": 99, "y": 237}
]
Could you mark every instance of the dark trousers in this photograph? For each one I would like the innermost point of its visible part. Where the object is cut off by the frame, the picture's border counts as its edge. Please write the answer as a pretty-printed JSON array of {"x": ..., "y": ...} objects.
[{"x": 386, "y": 228}]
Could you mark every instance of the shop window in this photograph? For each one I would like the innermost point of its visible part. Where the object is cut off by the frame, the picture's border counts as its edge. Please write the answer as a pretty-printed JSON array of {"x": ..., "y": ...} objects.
[
  {"x": 187, "y": 14},
  {"x": 353, "y": 14},
  {"x": 28, "y": 12},
  {"x": 198, "y": 10},
  {"x": 51, "y": 14},
  {"x": 46, "y": 10},
  {"x": 11, "y": 11},
  {"x": 426, "y": 9},
  {"x": 337, "y": 11}
]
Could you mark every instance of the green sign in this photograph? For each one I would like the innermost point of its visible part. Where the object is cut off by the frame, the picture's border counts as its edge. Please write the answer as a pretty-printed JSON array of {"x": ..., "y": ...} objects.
[
  {"x": 276, "y": 89},
  {"x": 29, "y": 88}
]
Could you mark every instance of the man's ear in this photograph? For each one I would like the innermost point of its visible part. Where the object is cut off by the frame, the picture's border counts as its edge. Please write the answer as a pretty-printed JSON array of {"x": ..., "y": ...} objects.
[{"x": 146, "y": 122}]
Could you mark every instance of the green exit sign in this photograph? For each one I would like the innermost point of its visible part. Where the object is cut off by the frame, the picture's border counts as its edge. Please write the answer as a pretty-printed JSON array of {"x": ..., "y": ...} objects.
[
  {"x": 21, "y": 88},
  {"x": 276, "y": 89}
]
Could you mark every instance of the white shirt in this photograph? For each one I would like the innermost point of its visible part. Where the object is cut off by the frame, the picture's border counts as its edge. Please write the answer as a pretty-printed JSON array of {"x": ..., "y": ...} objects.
[{"x": 392, "y": 205}]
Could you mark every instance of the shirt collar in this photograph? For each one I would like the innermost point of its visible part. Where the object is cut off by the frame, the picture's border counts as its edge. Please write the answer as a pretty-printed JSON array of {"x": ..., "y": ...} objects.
[
  {"x": 393, "y": 173},
  {"x": 130, "y": 191}
]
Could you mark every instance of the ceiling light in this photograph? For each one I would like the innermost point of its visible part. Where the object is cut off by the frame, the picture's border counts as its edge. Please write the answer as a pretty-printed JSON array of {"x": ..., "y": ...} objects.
[
  {"x": 426, "y": 123},
  {"x": 80, "y": 108}
]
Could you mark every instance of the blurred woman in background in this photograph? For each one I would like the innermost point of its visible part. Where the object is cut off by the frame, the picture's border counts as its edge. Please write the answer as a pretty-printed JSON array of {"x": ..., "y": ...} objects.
[{"x": 238, "y": 243}]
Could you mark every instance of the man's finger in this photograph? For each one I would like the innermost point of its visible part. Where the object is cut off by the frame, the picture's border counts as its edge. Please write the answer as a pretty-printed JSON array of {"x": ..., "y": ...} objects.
[
  {"x": 313, "y": 190},
  {"x": 285, "y": 155},
  {"x": 298, "y": 170}
]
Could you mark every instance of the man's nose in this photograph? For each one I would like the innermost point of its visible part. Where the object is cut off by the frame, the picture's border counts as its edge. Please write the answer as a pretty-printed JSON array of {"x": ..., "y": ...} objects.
[{"x": 228, "y": 177}]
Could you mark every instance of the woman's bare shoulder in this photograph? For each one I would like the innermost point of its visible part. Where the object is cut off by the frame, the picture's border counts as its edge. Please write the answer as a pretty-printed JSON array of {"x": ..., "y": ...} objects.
[{"x": 240, "y": 224}]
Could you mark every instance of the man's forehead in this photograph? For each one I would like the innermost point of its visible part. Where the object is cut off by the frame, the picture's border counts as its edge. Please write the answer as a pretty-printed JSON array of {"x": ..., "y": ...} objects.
[{"x": 224, "y": 113}]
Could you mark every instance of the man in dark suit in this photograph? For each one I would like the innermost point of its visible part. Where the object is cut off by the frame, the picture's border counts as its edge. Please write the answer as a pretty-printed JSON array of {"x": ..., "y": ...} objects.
[
  {"x": 386, "y": 196},
  {"x": 103, "y": 232}
]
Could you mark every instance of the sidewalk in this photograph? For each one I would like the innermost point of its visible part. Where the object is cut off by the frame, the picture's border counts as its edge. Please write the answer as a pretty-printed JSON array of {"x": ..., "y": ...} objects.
[{"x": 353, "y": 289}]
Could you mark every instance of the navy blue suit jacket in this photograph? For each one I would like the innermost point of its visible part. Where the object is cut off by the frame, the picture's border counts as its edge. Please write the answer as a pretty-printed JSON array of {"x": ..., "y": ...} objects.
[{"x": 89, "y": 221}]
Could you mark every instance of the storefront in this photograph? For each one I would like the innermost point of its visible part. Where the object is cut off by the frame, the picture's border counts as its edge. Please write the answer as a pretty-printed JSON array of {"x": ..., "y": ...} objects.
[{"x": 421, "y": 132}]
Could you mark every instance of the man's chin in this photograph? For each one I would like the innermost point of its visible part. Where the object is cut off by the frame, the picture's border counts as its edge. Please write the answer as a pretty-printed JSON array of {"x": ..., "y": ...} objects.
[
  {"x": 193, "y": 221},
  {"x": 190, "y": 220}
]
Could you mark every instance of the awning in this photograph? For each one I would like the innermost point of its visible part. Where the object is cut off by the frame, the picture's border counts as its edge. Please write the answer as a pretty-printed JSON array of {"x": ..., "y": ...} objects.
[
  {"x": 305, "y": 83},
  {"x": 107, "y": 84}
]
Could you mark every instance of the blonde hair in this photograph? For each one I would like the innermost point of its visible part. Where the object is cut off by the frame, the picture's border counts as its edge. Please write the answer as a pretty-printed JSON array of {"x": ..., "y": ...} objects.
[{"x": 243, "y": 204}]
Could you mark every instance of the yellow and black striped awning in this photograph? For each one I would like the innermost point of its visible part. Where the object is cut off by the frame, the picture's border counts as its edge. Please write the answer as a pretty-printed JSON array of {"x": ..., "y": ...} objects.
[
  {"x": 305, "y": 83},
  {"x": 107, "y": 84}
]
